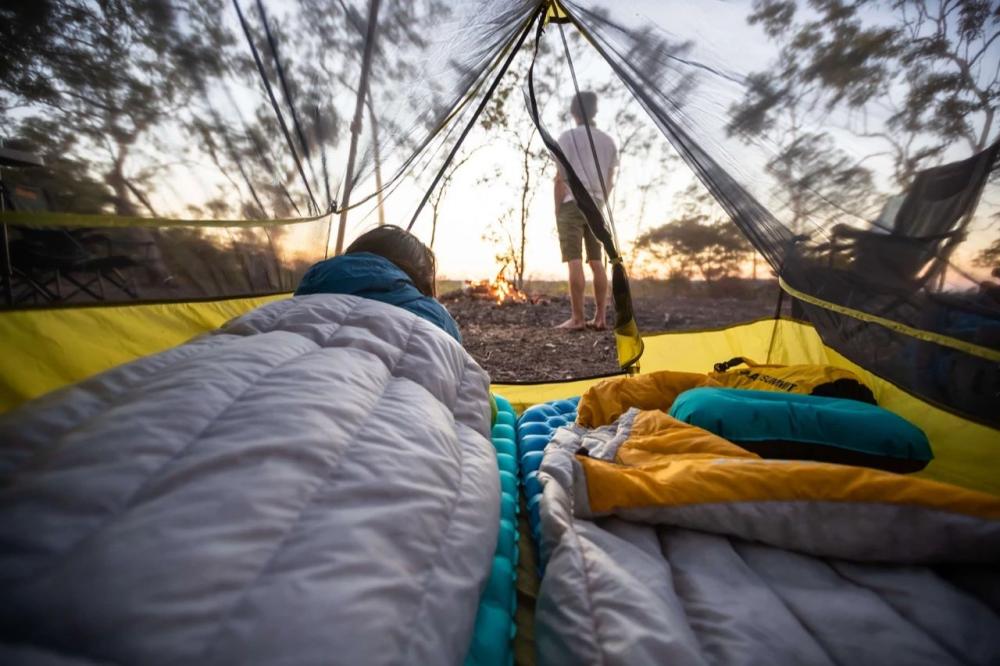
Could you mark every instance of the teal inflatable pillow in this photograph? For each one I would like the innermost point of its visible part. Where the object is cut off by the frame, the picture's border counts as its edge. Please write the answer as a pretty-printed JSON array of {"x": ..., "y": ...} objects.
[{"x": 807, "y": 427}]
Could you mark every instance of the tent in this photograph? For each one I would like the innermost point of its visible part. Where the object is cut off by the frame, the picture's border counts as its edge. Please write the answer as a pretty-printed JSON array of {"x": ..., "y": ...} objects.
[{"x": 196, "y": 158}]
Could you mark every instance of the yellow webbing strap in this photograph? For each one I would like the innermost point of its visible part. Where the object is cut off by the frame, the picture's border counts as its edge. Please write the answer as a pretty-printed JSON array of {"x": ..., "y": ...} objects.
[
  {"x": 44, "y": 349},
  {"x": 920, "y": 334}
]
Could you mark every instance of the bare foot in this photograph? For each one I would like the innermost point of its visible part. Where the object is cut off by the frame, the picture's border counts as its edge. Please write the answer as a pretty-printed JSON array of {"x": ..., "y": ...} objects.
[
  {"x": 598, "y": 324},
  {"x": 572, "y": 325}
]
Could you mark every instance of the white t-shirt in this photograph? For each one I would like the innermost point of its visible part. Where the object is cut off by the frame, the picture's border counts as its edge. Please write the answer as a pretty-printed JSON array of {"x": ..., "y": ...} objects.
[{"x": 576, "y": 147}]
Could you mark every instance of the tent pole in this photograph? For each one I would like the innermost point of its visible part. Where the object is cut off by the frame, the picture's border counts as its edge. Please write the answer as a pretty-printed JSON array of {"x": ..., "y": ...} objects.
[
  {"x": 378, "y": 164},
  {"x": 274, "y": 105},
  {"x": 774, "y": 328},
  {"x": 359, "y": 108},
  {"x": 475, "y": 116}
]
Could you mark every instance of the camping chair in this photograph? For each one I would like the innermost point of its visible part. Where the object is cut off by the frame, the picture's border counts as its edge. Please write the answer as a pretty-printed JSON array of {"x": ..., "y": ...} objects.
[
  {"x": 888, "y": 271},
  {"x": 926, "y": 224},
  {"x": 44, "y": 259}
]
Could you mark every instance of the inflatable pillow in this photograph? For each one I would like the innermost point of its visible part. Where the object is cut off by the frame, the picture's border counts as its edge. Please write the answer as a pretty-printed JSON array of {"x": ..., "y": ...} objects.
[{"x": 806, "y": 427}]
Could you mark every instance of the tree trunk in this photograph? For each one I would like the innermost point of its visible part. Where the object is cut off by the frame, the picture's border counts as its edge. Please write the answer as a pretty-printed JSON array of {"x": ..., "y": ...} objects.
[
  {"x": 116, "y": 179},
  {"x": 378, "y": 168},
  {"x": 434, "y": 221},
  {"x": 366, "y": 60},
  {"x": 525, "y": 190}
]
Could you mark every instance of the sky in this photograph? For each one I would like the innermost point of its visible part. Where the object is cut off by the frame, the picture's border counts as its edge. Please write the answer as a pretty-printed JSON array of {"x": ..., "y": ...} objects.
[
  {"x": 471, "y": 207},
  {"x": 486, "y": 188}
]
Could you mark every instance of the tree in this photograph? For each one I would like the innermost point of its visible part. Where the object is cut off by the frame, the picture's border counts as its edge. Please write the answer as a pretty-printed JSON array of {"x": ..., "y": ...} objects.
[
  {"x": 509, "y": 250},
  {"x": 437, "y": 197},
  {"x": 505, "y": 117},
  {"x": 699, "y": 241},
  {"x": 144, "y": 87},
  {"x": 989, "y": 257},
  {"x": 929, "y": 69},
  {"x": 65, "y": 179},
  {"x": 815, "y": 180},
  {"x": 111, "y": 73},
  {"x": 329, "y": 40},
  {"x": 932, "y": 63}
]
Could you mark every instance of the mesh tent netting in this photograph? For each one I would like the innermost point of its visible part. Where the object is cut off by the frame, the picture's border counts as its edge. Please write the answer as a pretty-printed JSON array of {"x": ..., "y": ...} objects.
[
  {"x": 188, "y": 115},
  {"x": 212, "y": 149}
]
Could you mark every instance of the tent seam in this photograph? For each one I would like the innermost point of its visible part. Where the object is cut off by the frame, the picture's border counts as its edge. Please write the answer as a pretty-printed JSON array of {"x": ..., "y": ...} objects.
[
  {"x": 784, "y": 602},
  {"x": 660, "y": 535},
  {"x": 897, "y": 327},
  {"x": 585, "y": 569},
  {"x": 896, "y": 611},
  {"x": 436, "y": 558}
]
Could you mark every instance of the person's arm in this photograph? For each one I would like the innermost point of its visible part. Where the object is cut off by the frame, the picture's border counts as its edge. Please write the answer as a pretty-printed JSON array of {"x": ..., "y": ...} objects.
[{"x": 560, "y": 190}]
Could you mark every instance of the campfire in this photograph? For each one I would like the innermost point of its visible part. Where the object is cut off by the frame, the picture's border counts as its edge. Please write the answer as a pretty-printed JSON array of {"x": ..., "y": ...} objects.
[{"x": 499, "y": 289}]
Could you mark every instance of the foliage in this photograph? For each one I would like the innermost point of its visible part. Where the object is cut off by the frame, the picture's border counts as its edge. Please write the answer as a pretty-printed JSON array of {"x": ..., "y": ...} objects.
[
  {"x": 989, "y": 257},
  {"x": 509, "y": 248},
  {"x": 505, "y": 117},
  {"x": 906, "y": 80},
  {"x": 110, "y": 73},
  {"x": 65, "y": 178},
  {"x": 815, "y": 180},
  {"x": 698, "y": 242},
  {"x": 149, "y": 95},
  {"x": 930, "y": 62}
]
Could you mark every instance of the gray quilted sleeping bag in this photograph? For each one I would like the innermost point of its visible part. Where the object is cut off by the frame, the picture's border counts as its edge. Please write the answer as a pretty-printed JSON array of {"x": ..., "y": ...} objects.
[{"x": 313, "y": 483}]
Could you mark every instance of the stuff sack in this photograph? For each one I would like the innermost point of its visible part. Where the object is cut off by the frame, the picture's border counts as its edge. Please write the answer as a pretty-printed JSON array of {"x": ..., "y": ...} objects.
[{"x": 822, "y": 380}]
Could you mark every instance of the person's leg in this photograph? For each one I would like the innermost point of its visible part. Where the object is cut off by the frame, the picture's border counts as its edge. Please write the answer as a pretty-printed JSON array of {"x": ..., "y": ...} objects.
[
  {"x": 600, "y": 279},
  {"x": 600, "y": 295},
  {"x": 577, "y": 282},
  {"x": 569, "y": 223}
]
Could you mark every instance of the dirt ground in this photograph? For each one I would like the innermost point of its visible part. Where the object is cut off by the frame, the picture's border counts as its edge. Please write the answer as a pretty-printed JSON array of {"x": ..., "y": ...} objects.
[{"x": 517, "y": 341}]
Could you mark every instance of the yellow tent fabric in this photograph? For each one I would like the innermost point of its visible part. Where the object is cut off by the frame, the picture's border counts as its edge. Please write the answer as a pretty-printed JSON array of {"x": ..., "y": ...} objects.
[
  {"x": 965, "y": 452},
  {"x": 45, "y": 349}
]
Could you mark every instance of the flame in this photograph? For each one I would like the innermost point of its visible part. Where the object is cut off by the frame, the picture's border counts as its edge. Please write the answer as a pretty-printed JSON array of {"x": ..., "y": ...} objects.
[{"x": 499, "y": 289}]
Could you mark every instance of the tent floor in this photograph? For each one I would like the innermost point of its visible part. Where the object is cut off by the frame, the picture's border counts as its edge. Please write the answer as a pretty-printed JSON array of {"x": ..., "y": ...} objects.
[
  {"x": 527, "y": 591},
  {"x": 489, "y": 331}
]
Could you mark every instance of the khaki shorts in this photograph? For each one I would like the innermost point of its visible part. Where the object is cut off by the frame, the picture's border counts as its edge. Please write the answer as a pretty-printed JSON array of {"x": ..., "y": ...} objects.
[{"x": 573, "y": 229}]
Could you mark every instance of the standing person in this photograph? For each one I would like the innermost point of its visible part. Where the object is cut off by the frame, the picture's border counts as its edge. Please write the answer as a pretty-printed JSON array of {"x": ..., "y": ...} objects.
[{"x": 570, "y": 222}]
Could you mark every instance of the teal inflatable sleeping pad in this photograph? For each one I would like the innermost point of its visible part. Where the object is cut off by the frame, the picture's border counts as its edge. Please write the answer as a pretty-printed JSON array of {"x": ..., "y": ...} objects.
[{"x": 495, "y": 629}]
